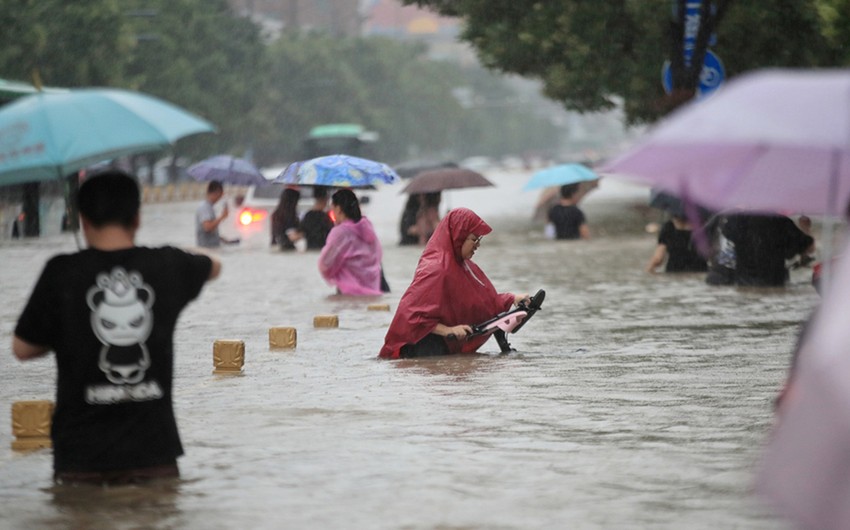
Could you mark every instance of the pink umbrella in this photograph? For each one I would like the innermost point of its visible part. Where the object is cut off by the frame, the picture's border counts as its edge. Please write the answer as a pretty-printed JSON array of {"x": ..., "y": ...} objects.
[
  {"x": 805, "y": 471},
  {"x": 773, "y": 140},
  {"x": 778, "y": 140}
]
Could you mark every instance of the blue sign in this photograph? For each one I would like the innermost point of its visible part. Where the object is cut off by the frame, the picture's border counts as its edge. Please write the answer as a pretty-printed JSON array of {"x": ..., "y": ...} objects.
[
  {"x": 710, "y": 78},
  {"x": 692, "y": 23}
]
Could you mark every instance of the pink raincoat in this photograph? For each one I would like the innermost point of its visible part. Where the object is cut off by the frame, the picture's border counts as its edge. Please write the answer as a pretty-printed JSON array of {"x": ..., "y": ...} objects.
[{"x": 351, "y": 258}]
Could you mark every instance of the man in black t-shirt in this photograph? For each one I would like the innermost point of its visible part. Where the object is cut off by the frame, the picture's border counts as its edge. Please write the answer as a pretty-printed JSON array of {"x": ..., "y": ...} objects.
[
  {"x": 567, "y": 218},
  {"x": 109, "y": 313},
  {"x": 317, "y": 224}
]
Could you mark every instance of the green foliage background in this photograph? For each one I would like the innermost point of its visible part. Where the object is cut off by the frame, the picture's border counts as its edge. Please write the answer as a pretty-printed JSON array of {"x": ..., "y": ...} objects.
[
  {"x": 264, "y": 97},
  {"x": 591, "y": 54}
]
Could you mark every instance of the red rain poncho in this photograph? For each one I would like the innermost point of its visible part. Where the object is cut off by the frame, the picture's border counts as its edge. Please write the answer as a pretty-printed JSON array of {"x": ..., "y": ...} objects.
[{"x": 446, "y": 289}]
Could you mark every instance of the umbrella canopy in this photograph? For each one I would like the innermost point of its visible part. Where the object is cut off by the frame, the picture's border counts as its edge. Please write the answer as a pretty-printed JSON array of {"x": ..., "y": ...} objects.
[
  {"x": 435, "y": 180},
  {"x": 805, "y": 469},
  {"x": 774, "y": 140},
  {"x": 560, "y": 175},
  {"x": 411, "y": 169},
  {"x": 338, "y": 171},
  {"x": 49, "y": 135},
  {"x": 228, "y": 170},
  {"x": 10, "y": 90}
]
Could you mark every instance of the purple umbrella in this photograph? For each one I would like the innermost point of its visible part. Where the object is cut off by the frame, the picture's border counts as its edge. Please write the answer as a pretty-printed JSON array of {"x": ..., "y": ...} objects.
[
  {"x": 227, "y": 170},
  {"x": 805, "y": 472},
  {"x": 773, "y": 140},
  {"x": 778, "y": 140}
]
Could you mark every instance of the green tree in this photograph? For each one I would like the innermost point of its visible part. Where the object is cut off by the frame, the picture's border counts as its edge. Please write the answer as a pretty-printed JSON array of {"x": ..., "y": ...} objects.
[
  {"x": 590, "y": 55},
  {"x": 197, "y": 54},
  {"x": 200, "y": 56},
  {"x": 389, "y": 87},
  {"x": 63, "y": 43}
]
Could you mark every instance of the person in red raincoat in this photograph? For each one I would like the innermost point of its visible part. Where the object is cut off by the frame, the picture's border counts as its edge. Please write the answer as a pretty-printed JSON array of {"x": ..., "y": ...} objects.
[{"x": 448, "y": 294}]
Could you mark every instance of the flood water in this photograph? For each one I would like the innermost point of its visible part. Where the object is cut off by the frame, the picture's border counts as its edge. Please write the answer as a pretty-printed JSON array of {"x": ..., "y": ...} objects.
[{"x": 633, "y": 401}]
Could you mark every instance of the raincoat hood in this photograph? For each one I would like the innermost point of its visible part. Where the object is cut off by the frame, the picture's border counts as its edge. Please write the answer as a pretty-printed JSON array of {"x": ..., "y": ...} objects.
[
  {"x": 446, "y": 289},
  {"x": 362, "y": 230},
  {"x": 452, "y": 232}
]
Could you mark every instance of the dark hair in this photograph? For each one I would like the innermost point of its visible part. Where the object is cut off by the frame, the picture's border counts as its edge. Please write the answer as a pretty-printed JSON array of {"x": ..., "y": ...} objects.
[
  {"x": 110, "y": 198},
  {"x": 214, "y": 186},
  {"x": 568, "y": 190},
  {"x": 320, "y": 192},
  {"x": 346, "y": 200},
  {"x": 286, "y": 213},
  {"x": 431, "y": 199}
]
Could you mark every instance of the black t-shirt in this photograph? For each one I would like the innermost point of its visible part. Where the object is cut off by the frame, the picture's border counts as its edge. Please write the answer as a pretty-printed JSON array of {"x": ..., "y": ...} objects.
[
  {"x": 110, "y": 319},
  {"x": 762, "y": 244},
  {"x": 316, "y": 225},
  {"x": 567, "y": 220},
  {"x": 681, "y": 254}
]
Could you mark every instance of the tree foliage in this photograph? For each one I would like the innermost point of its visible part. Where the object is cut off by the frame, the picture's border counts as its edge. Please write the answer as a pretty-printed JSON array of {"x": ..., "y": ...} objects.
[
  {"x": 590, "y": 55},
  {"x": 64, "y": 43},
  {"x": 264, "y": 97}
]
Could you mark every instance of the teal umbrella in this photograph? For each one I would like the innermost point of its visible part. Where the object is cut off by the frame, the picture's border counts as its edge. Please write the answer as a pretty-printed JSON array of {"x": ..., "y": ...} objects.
[
  {"x": 47, "y": 136},
  {"x": 560, "y": 175}
]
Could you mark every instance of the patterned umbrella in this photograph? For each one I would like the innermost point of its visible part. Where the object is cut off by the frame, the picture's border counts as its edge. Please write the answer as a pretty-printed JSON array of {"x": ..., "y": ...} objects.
[{"x": 338, "y": 171}]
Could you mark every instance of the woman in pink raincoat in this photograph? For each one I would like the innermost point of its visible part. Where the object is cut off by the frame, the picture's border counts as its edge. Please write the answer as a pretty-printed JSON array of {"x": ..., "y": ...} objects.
[{"x": 351, "y": 257}]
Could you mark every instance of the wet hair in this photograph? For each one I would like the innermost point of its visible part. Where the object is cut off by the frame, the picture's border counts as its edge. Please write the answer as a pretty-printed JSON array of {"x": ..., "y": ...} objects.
[
  {"x": 320, "y": 192},
  {"x": 287, "y": 207},
  {"x": 110, "y": 198},
  {"x": 347, "y": 201},
  {"x": 285, "y": 215},
  {"x": 214, "y": 186},
  {"x": 431, "y": 199},
  {"x": 568, "y": 190}
]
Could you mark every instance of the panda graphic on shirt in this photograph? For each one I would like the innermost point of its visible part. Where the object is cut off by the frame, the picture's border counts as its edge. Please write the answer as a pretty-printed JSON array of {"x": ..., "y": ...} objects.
[{"x": 122, "y": 319}]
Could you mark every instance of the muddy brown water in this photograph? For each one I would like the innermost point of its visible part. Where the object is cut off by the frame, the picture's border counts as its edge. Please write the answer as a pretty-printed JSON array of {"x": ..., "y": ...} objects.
[{"x": 633, "y": 401}]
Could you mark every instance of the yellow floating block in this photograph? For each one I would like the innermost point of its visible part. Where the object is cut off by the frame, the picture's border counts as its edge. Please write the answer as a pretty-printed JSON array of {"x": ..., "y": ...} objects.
[
  {"x": 326, "y": 321},
  {"x": 31, "y": 424},
  {"x": 228, "y": 356},
  {"x": 280, "y": 337},
  {"x": 378, "y": 307}
]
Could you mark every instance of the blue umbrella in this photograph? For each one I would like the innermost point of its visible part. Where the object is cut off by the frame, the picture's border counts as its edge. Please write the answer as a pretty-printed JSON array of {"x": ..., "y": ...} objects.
[
  {"x": 228, "y": 170},
  {"x": 50, "y": 135},
  {"x": 560, "y": 175},
  {"x": 338, "y": 171}
]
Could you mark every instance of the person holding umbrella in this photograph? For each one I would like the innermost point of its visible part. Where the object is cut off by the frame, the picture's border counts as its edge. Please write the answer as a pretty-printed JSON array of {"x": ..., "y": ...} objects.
[
  {"x": 567, "y": 219},
  {"x": 317, "y": 224},
  {"x": 428, "y": 216},
  {"x": 285, "y": 225}
]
